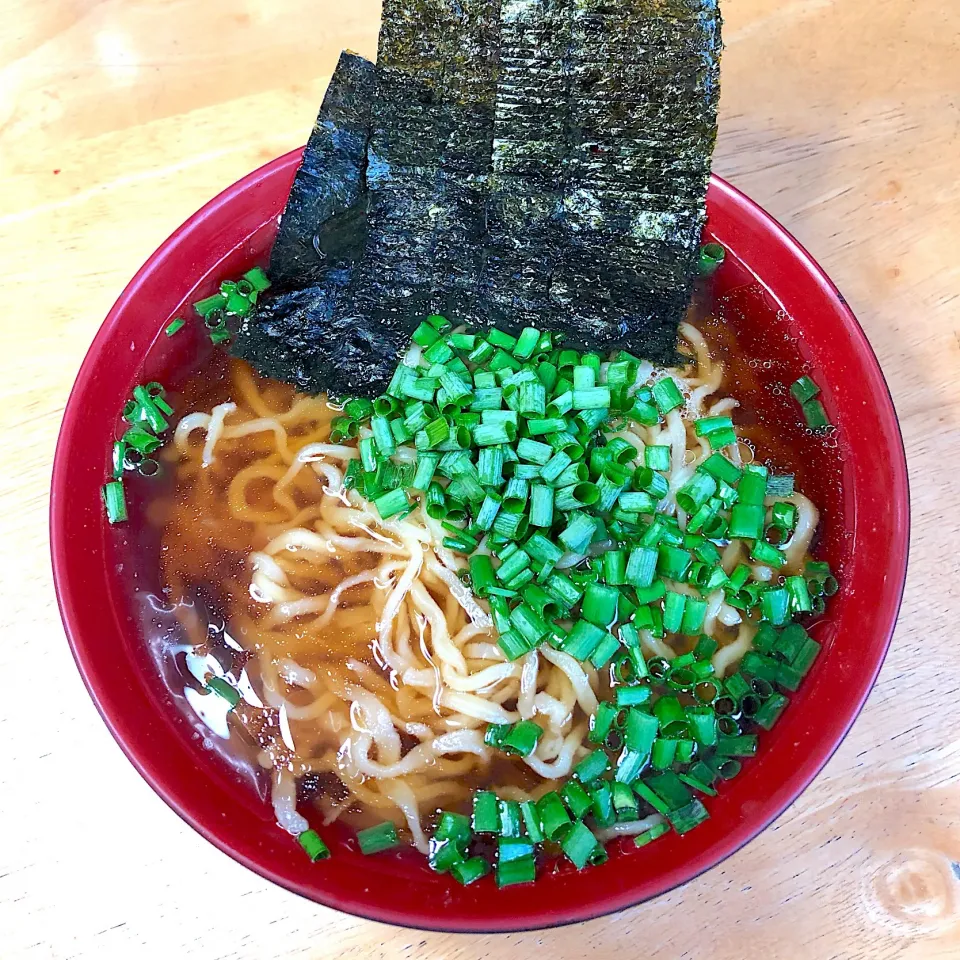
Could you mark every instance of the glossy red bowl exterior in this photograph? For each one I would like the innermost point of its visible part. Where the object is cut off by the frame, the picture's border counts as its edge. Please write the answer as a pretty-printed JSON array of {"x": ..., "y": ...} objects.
[{"x": 782, "y": 306}]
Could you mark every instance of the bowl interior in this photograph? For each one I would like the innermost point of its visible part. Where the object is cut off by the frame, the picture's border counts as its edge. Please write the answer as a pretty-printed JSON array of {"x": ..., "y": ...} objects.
[{"x": 784, "y": 312}]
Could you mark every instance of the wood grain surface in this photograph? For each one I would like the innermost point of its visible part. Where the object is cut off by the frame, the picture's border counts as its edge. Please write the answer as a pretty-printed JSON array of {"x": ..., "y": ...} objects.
[{"x": 118, "y": 118}]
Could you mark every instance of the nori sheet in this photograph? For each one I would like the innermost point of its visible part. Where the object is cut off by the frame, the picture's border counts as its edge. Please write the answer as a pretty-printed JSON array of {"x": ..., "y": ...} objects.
[
  {"x": 606, "y": 123},
  {"x": 529, "y": 161},
  {"x": 322, "y": 234},
  {"x": 428, "y": 163},
  {"x": 324, "y": 222},
  {"x": 429, "y": 159}
]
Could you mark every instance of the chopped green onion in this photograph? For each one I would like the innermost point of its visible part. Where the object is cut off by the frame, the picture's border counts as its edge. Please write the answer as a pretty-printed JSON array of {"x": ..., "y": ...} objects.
[
  {"x": 379, "y": 838},
  {"x": 686, "y": 818},
  {"x": 775, "y": 606},
  {"x": 639, "y": 502},
  {"x": 632, "y": 696},
  {"x": 746, "y": 521},
  {"x": 673, "y": 605},
  {"x": 522, "y": 738},
  {"x": 656, "y": 458},
  {"x": 696, "y": 492},
  {"x": 578, "y": 844},
  {"x": 528, "y": 624},
  {"x": 114, "y": 502},
  {"x": 600, "y": 604},
  {"x": 663, "y": 754},
  {"x": 648, "y": 836},
  {"x": 702, "y": 722},
  {"x": 553, "y": 814},
  {"x": 753, "y": 484},
  {"x": 742, "y": 746},
  {"x": 512, "y": 644},
  {"x": 119, "y": 458},
  {"x": 591, "y": 398},
  {"x": 604, "y": 651},
  {"x": 601, "y": 722},
  {"x": 531, "y": 821},
  {"x": 671, "y": 716},
  {"x": 466, "y": 871},
  {"x": 582, "y": 640},
  {"x": 486, "y": 815},
  {"x": 222, "y": 689},
  {"x": 629, "y": 765},
  {"x": 601, "y": 803},
  {"x": 576, "y": 798},
  {"x": 440, "y": 323},
  {"x": 496, "y": 732},
  {"x": 592, "y": 766},
  {"x": 510, "y": 819},
  {"x": 815, "y": 415},
  {"x": 624, "y": 802},
  {"x": 426, "y": 468},
  {"x": 578, "y": 533},
  {"x": 694, "y": 612},
  {"x": 653, "y": 799},
  {"x": 770, "y": 711},
  {"x": 711, "y": 259},
  {"x": 717, "y": 465},
  {"x": 667, "y": 395},
  {"x": 641, "y": 731},
  {"x": 433, "y": 434},
  {"x": 210, "y": 305},
  {"x": 522, "y": 870},
  {"x": 808, "y": 653},
  {"x": 492, "y": 434},
  {"x": 392, "y": 503},
  {"x": 673, "y": 563},
  {"x": 781, "y": 486},
  {"x": 707, "y": 425},
  {"x": 313, "y": 845},
  {"x": 257, "y": 279},
  {"x": 541, "y": 505},
  {"x": 804, "y": 389}
]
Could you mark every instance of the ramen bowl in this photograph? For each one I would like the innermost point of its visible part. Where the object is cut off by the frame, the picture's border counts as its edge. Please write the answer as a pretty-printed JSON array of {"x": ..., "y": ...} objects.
[{"x": 788, "y": 319}]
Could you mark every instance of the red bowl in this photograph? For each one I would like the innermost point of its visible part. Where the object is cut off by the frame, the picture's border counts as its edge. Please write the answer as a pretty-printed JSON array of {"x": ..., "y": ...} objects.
[{"x": 783, "y": 309}]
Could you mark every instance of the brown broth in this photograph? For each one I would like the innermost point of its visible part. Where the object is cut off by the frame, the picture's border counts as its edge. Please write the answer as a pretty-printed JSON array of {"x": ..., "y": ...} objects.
[
  {"x": 195, "y": 604},
  {"x": 206, "y": 607}
]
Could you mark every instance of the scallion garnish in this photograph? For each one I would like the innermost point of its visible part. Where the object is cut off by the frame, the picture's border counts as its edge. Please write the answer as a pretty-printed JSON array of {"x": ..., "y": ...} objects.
[
  {"x": 227, "y": 691},
  {"x": 466, "y": 871},
  {"x": 712, "y": 256},
  {"x": 378, "y": 838},
  {"x": 114, "y": 501},
  {"x": 806, "y": 392},
  {"x": 313, "y": 845}
]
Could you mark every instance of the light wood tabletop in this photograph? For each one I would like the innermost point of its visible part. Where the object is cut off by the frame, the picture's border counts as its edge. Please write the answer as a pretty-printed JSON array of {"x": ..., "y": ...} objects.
[{"x": 119, "y": 118}]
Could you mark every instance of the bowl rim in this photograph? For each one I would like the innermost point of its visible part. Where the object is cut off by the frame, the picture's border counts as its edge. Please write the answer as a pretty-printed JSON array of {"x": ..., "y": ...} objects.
[{"x": 899, "y": 553}]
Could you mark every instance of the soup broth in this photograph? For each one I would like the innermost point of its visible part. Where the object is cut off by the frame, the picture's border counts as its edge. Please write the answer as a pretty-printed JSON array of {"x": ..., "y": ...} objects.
[{"x": 367, "y": 670}]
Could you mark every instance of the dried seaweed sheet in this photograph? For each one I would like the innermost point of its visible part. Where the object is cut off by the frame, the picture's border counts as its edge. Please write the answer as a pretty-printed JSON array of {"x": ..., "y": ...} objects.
[
  {"x": 430, "y": 155},
  {"x": 427, "y": 167},
  {"x": 322, "y": 233},
  {"x": 605, "y": 127},
  {"x": 324, "y": 221},
  {"x": 539, "y": 161}
]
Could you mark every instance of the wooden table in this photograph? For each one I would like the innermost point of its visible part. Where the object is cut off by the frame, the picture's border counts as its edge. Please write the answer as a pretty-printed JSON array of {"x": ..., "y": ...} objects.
[{"x": 119, "y": 118}]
